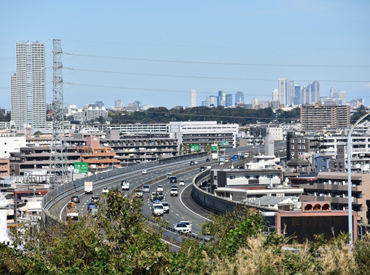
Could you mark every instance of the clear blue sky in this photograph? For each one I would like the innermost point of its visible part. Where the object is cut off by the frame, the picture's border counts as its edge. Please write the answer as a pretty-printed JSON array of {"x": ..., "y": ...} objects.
[{"x": 287, "y": 32}]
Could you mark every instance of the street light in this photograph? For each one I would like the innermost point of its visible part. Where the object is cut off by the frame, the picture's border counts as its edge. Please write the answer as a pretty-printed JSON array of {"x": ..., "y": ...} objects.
[{"x": 349, "y": 182}]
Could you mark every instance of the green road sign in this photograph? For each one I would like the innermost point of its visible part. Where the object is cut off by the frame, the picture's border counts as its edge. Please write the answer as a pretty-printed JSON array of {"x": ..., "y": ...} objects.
[
  {"x": 214, "y": 147},
  {"x": 194, "y": 148},
  {"x": 81, "y": 167}
]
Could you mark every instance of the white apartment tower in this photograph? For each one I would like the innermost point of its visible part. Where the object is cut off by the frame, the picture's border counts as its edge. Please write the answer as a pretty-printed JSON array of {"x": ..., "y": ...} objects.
[
  {"x": 28, "y": 99},
  {"x": 193, "y": 98}
]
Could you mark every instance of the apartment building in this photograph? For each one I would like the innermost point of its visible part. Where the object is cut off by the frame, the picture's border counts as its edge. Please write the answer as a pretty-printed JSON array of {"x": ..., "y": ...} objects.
[
  {"x": 332, "y": 187},
  {"x": 4, "y": 168},
  {"x": 317, "y": 117}
]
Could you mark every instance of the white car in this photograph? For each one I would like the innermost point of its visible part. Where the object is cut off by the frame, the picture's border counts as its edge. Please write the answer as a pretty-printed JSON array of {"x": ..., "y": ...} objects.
[
  {"x": 160, "y": 188},
  {"x": 105, "y": 190},
  {"x": 181, "y": 183},
  {"x": 174, "y": 191},
  {"x": 146, "y": 188},
  {"x": 125, "y": 185},
  {"x": 182, "y": 227},
  {"x": 166, "y": 207},
  {"x": 157, "y": 209},
  {"x": 144, "y": 172}
]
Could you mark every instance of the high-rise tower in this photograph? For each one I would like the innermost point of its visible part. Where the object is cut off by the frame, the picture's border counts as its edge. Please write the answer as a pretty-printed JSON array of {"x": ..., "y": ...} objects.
[
  {"x": 28, "y": 96},
  {"x": 193, "y": 98}
]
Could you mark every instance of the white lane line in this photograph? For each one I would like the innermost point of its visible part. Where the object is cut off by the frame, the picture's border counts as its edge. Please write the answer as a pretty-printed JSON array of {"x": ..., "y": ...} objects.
[
  {"x": 167, "y": 242},
  {"x": 188, "y": 207}
]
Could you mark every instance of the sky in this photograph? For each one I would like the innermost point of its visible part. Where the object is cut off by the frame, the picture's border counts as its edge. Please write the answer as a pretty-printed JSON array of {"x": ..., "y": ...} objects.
[{"x": 157, "y": 51}]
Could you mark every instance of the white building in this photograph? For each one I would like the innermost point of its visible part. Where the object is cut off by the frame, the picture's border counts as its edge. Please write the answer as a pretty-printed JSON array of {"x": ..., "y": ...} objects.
[
  {"x": 10, "y": 142},
  {"x": 28, "y": 96},
  {"x": 204, "y": 133},
  {"x": 276, "y": 133},
  {"x": 193, "y": 98},
  {"x": 285, "y": 91}
]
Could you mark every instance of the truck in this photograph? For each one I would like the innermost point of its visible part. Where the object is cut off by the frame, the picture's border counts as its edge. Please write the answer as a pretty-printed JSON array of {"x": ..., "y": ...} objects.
[
  {"x": 88, "y": 187},
  {"x": 72, "y": 212},
  {"x": 214, "y": 155},
  {"x": 125, "y": 185}
]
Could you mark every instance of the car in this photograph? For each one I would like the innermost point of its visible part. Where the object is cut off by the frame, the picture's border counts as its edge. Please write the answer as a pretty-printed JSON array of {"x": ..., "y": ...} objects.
[
  {"x": 139, "y": 193},
  {"x": 160, "y": 188},
  {"x": 181, "y": 183},
  {"x": 169, "y": 174},
  {"x": 146, "y": 188},
  {"x": 90, "y": 206},
  {"x": 182, "y": 227},
  {"x": 75, "y": 199},
  {"x": 173, "y": 179},
  {"x": 105, "y": 190},
  {"x": 202, "y": 168},
  {"x": 166, "y": 207},
  {"x": 187, "y": 223},
  {"x": 160, "y": 195},
  {"x": 144, "y": 172},
  {"x": 95, "y": 199},
  {"x": 157, "y": 209},
  {"x": 153, "y": 196},
  {"x": 208, "y": 160},
  {"x": 125, "y": 185},
  {"x": 174, "y": 192},
  {"x": 192, "y": 163},
  {"x": 221, "y": 163}
]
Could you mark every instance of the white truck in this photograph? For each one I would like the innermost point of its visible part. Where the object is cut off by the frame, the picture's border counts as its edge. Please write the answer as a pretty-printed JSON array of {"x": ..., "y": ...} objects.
[
  {"x": 214, "y": 155},
  {"x": 88, "y": 187},
  {"x": 157, "y": 209}
]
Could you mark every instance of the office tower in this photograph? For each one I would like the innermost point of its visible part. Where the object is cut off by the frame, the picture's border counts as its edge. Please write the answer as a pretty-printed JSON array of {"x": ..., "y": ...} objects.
[
  {"x": 118, "y": 103},
  {"x": 275, "y": 95},
  {"x": 297, "y": 95},
  {"x": 338, "y": 95},
  {"x": 255, "y": 102},
  {"x": 285, "y": 91},
  {"x": 304, "y": 97},
  {"x": 193, "y": 98},
  {"x": 229, "y": 100},
  {"x": 28, "y": 86},
  {"x": 221, "y": 99},
  {"x": 239, "y": 98},
  {"x": 315, "y": 92},
  {"x": 100, "y": 104},
  {"x": 332, "y": 91},
  {"x": 212, "y": 101},
  {"x": 317, "y": 117}
]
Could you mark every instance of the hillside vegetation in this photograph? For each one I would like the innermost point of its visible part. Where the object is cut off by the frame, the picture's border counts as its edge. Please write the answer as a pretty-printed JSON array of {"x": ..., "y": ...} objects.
[{"x": 119, "y": 241}]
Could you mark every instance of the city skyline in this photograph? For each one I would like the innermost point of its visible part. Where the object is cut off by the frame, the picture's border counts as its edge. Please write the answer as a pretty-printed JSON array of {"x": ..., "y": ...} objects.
[{"x": 155, "y": 58}]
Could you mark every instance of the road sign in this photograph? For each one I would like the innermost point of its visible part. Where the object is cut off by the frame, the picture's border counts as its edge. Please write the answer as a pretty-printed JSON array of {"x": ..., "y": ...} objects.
[
  {"x": 214, "y": 148},
  {"x": 81, "y": 167},
  {"x": 194, "y": 148}
]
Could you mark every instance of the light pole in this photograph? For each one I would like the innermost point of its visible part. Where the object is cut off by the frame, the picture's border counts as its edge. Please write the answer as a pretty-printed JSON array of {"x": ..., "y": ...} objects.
[{"x": 349, "y": 182}]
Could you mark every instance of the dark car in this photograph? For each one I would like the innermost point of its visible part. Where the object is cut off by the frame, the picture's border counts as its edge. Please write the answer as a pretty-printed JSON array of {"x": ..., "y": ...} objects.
[
  {"x": 75, "y": 199},
  {"x": 202, "y": 168},
  {"x": 173, "y": 179},
  {"x": 90, "y": 206},
  {"x": 192, "y": 163},
  {"x": 94, "y": 199},
  {"x": 208, "y": 160}
]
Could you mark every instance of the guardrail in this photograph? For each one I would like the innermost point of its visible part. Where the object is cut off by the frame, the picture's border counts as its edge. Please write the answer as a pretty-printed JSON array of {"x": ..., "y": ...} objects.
[
  {"x": 214, "y": 203},
  {"x": 64, "y": 190}
]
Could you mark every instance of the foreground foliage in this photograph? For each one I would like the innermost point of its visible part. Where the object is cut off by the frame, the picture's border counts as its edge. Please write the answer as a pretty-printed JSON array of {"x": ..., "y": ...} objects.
[{"x": 118, "y": 240}]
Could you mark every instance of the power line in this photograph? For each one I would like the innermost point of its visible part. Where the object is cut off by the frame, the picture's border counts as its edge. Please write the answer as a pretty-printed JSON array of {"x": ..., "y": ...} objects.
[
  {"x": 180, "y": 61},
  {"x": 206, "y": 77}
]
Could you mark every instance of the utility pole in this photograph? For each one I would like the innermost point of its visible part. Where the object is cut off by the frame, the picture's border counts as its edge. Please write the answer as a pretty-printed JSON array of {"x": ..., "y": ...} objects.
[{"x": 57, "y": 157}]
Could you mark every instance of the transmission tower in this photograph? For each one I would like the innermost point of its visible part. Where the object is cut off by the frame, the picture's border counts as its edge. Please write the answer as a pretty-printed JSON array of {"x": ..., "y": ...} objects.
[{"x": 58, "y": 170}]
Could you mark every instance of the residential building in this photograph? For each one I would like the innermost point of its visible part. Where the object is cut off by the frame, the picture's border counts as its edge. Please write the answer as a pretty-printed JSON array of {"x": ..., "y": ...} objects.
[
  {"x": 28, "y": 96},
  {"x": 318, "y": 117},
  {"x": 4, "y": 167},
  {"x": 11, "y": 142},
  {"x": 275, "y": 95},
  {"x": 332, "y": 187}
]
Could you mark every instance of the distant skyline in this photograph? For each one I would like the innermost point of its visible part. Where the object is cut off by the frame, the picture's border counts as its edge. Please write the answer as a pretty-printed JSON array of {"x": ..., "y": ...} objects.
[{"x": 157, "y": 52}]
